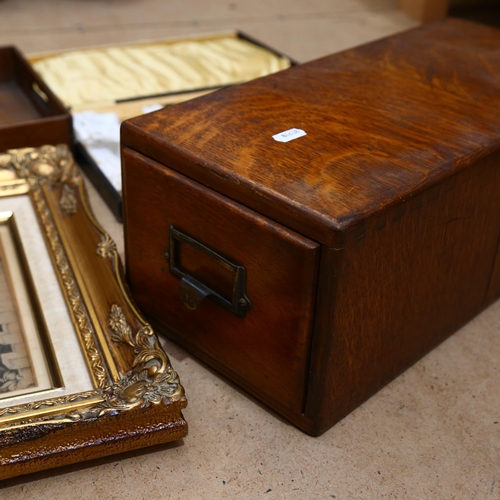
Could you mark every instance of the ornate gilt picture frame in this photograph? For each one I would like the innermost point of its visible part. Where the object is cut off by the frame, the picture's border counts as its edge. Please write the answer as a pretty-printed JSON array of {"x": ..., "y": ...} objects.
[{"x": 108, "y": 386}]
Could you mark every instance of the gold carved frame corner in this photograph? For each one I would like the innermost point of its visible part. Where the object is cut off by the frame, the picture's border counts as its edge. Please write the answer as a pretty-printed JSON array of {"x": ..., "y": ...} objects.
[{"x": 133, "y": 380}]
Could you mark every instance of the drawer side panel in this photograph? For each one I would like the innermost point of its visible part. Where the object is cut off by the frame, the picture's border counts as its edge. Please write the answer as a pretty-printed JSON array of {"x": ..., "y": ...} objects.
[{"x": 402, "y": 284}]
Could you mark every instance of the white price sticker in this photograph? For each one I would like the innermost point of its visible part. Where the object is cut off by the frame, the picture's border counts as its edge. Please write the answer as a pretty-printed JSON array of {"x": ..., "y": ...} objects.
[{"x": 289, "y": 135}]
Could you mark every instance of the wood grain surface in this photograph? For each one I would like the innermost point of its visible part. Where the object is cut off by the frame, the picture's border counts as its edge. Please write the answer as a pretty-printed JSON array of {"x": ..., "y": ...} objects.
[
  {"x": 412, "y": 277},
  {"x": 379, "y": 126},
  {"x": 397, "y": 180},
  {"x": 269, "y": 348}
]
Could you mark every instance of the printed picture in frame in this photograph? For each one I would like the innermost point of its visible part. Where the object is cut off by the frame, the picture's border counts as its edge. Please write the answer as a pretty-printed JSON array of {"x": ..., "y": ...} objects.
[{"x": 27, "y": 362}]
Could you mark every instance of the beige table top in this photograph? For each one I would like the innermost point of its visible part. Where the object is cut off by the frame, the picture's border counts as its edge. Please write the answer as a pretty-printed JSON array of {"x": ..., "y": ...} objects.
[{"x": 433, "y": 433}]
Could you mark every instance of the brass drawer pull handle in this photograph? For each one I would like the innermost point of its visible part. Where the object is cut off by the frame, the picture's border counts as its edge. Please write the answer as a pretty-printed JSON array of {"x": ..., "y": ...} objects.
[{"x": 192, "y": 291}]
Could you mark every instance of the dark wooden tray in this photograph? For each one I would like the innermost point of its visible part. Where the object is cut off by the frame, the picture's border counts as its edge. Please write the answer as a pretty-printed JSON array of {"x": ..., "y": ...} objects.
[{"x": 30, "y": 114}]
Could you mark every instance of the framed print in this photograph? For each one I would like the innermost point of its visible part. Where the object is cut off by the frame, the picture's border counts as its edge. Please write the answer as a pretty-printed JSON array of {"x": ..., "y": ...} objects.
[
  {"x": 82, "y": 374},
  {"x": 27, "y": 362}
]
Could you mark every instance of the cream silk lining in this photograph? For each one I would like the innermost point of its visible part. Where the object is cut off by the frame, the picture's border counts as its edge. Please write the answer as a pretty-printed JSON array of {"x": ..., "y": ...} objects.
[{"x": 99, "y": 77}]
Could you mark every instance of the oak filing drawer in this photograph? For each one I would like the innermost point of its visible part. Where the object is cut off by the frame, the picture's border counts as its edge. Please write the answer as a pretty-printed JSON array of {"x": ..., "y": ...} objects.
[
  {"x": 366, "y": 241},
  {"x": 269, "y": 347}
]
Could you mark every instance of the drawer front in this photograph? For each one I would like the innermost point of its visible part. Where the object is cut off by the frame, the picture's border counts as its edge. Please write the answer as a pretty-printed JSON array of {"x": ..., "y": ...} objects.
[{"x": 234, "y": 287}]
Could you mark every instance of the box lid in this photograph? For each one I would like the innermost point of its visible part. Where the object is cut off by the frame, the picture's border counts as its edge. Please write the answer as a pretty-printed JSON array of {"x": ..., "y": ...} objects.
[{"x": 382, "y": 122}]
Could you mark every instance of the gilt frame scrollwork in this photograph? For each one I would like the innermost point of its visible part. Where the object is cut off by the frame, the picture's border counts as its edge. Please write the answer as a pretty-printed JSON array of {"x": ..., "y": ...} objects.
[{"x": 134, "y": 397}]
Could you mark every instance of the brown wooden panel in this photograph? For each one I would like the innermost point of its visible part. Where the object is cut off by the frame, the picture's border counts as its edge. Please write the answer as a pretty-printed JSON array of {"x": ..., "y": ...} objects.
[
  {"x": 375, "y": 132},
  {"x": 269, "y": 348},
  {"x": 494, "y": 286},
  {"x": 401, "y": 290},
  {"x": 6, "y": 64}
]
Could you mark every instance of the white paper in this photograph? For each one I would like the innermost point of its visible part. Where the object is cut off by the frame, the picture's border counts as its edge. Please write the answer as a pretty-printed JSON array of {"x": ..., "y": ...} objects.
[
  {"x": 289, "y": 135},
  {"x": 151, "y": 108},
  {"x": 100, "y": 135}
]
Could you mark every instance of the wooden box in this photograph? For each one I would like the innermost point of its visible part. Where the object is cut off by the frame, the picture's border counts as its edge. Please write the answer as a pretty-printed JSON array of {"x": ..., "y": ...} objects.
[
  {"x": 30, "y": 114},
  {"x": 312, "y": 272}
]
